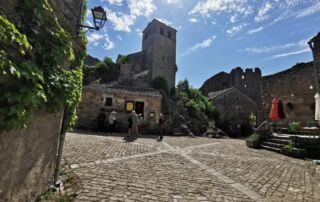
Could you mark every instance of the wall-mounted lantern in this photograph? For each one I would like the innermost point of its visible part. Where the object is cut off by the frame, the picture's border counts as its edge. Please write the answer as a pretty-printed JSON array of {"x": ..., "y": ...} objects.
[{"x": 99, "y": 19}]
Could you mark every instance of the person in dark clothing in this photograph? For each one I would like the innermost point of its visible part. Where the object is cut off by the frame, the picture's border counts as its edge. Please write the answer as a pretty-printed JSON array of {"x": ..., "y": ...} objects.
[
  {"x": 129, "y": 125},
  {"x": 161, "y": 120},
  {"x": 101, "y": 119}
]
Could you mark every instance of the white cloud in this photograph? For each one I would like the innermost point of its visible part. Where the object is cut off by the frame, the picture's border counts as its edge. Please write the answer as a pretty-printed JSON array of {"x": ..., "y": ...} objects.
[
  {"x": 268, "y": 49},
  {"x": 233, "y": 18},
  {"x": 141, "y": 7},
  {"x": 115, "y": 2},
  {"x": 164, "y": 21},
  {"x": 236, "y": 29},
  {"x": 193, "y": 20},
  {"x": 119, "y": 37},
  {"x": 252, "y": 31},
  {"x": 309, "y": 11},
  {"x": 289, "y": 53},
  {"x": 108, "y": 44},
  {"x": 231, "y": 6},
  {"x": 139, "y": 31},
  {"x": 262, "y": 13},
  {"x": 94, "y": 38},
  {"x": 173, "y": 1},
  {"x": 204, "y": 44},
  {"x": 120, "y": 21}
]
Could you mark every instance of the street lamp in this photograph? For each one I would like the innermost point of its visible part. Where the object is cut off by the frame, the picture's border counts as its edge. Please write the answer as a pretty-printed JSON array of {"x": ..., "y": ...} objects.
[{"x": 99, "y": 19}]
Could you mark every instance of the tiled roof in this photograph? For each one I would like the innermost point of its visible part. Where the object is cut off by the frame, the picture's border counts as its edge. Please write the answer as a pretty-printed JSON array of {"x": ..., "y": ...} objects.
[{"x": 122, "y": 89}]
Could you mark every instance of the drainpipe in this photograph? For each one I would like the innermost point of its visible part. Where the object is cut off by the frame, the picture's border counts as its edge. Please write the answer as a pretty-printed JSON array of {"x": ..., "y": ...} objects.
[{"x": 60, "y": 149}]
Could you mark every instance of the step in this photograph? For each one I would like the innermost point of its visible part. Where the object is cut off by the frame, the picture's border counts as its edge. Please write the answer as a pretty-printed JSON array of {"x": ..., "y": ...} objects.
[
  {"x": 271, "y": 148},
  {"x": 272, "y": 144},
  {"x": 280, "y": 137},
  {"x": 278, "y": 141}
]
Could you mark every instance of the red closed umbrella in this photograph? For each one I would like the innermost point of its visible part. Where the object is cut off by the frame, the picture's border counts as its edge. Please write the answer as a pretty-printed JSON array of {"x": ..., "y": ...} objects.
[{"x": 274, "y": 115}]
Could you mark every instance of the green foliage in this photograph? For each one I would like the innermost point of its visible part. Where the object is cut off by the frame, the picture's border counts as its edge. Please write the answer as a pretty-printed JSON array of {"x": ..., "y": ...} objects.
[
  {"x": 254, "y": 140},
  {"x": 311, "y": 145},
  {"x": 290, "y": 150},
  {"x": 122, "y": 59},
  {"x": 197, "y": 103},
  {"x": 252, "y": 120},
  {"x": 31, "y": 68},
  {"x": 106, "y": 70},
  {"x": 160, "y": 83},
  {"x": 295, "y": 126}
]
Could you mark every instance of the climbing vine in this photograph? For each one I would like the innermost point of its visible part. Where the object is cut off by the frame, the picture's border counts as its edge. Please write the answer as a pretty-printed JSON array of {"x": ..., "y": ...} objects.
[{"x": 33, "y": 57}]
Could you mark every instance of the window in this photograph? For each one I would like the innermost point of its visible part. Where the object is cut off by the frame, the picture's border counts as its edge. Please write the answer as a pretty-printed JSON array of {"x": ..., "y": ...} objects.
[
  {"x": 162, "y": 56},
  {"x": 109, "y": 101},
  {"x": 161, "y": 31},
  {"x": 169, "y": 34}
]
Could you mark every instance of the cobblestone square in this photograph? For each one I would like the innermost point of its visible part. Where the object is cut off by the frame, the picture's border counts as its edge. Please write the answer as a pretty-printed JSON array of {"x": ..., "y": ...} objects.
[{"x": 185, "y": 169}]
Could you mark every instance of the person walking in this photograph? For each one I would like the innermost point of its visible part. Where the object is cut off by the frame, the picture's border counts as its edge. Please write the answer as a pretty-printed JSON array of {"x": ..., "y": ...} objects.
[
  {"x": 129, "y": 125},
  {"x": 140, "y": 123},
  {"x": 160, "y": 127},
  {"x": 101, "y": 119},
  {"x": 112, "y": 121},
  {"x": 135, "y": 123}
]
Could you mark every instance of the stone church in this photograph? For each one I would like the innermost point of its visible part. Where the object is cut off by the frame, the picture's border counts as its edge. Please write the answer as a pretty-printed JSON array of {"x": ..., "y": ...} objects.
[
  {"x": 157, "y": 58},
  {"x": 132, "y": 91}
]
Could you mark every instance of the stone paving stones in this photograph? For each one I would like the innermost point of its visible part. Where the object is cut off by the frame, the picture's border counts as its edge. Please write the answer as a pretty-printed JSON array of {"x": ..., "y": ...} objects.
[{"x": 186, "y": 169}]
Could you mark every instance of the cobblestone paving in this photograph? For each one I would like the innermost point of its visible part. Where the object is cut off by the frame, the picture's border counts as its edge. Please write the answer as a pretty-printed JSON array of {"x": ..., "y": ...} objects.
[{"x": 186, "y": 169}]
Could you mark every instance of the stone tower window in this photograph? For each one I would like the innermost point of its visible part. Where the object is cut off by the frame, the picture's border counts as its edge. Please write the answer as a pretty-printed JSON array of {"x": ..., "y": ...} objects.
[
  {"x": 161, "y": 31},
  {"x": 169, "y": 34},
  {"x": 162, "y": 56}
]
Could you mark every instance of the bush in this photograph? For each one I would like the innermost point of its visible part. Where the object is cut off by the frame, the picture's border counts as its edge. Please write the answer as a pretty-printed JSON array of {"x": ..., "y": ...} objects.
[
  {"x": 254, "y": 141},
  {"x": 290, "y": 150},
  {"x": 294, "y": 126},
  {"x": 310, "y": 145},
  {"x": 197, "y": 103}
]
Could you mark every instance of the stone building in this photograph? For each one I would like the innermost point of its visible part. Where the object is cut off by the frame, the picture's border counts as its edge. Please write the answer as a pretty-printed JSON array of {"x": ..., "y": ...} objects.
[
  {"x": 296, "y": 87},
  {"x": 122, "y": 99},
  {"x": 234, "y": 108},
  {"x": 158, "y": 55},
  {"x": 292, "y": 86},
  {"x": 246, "y": 81},
  {"x": 28, "y": 155}
]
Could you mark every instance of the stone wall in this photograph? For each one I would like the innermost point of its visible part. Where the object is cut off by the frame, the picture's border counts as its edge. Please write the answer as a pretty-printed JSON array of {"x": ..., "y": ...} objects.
[
  {"x": 293, "y": 88},
  {"x": 234, "y": 109},
  {"x": 247, "y": 81},
  {"x": 28, "y": 157},
  {"x": 93, "y": 99}
]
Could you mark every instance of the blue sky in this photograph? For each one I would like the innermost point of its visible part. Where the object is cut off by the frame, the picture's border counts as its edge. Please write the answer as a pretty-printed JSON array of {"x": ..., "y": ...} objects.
[{"x": 213, "y": 35}]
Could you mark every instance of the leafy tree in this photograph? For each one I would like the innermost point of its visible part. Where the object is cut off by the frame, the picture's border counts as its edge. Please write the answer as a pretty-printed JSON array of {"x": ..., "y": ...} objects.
[
  {"x": 105, "y": 71},
  {"x": 121, "y": 59},
  {"x": 197, "y": 103}
]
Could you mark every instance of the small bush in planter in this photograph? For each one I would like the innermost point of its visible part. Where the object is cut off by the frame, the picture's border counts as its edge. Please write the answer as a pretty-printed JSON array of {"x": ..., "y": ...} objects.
[
  {"x": 294, "y": 126},
  {"x": 253, "y": 141},
  {"x": 289, "y": 150}
]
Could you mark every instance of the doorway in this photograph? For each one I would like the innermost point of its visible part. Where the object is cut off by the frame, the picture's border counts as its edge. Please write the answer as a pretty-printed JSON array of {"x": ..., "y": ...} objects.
[{"x": 139, "y": 108}]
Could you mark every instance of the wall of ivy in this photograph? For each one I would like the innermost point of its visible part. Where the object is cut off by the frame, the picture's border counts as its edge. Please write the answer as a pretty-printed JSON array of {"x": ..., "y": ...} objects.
[{"x": 38, "y": 66}]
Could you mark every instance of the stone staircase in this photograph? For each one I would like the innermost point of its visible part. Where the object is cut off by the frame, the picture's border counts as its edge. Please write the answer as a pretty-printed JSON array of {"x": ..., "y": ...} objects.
[{"x": 275, "y": 143}]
